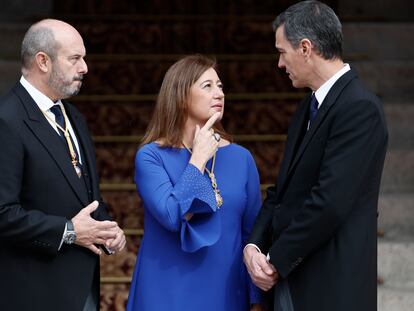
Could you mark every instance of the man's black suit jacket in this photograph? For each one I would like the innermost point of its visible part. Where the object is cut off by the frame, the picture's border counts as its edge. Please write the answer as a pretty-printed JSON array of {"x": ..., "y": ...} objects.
[
  {"x": 39, "y": 191},
  {"x": 319, "y": 223}
]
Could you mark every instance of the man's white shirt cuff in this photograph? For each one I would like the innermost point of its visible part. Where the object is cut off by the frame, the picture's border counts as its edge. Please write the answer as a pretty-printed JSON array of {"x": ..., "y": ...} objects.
[
  {"x": 63, "y": 237},
  {"x": 258, "y": 249}
]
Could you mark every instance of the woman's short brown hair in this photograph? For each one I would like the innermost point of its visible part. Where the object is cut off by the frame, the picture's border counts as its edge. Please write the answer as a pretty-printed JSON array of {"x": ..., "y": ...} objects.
[{"x": 171, "y": 109}]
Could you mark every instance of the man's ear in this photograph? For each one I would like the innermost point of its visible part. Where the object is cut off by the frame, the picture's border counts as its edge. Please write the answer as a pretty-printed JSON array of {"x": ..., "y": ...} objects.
[
  {"x": 43, "y": 61},
  {"x": 306, "y": 47}
]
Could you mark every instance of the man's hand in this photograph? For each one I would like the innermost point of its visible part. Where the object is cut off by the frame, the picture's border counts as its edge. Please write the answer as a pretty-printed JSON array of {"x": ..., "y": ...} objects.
[
  {"x": 256, "y": 307},
  {"x": 263, "y": 274},
  {"x": 118, "y": 243},
  {"x": 90, "y": 231}
]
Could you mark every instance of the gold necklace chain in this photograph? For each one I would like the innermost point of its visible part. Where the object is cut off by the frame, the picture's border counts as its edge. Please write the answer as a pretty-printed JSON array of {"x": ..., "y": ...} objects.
[
  {"x": 219, "y": 198},
  {"x": 68, "y": 141}
]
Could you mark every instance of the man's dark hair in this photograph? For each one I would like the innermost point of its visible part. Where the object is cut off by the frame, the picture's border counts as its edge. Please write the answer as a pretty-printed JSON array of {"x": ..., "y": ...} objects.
[{"x": 315, "y": 21}]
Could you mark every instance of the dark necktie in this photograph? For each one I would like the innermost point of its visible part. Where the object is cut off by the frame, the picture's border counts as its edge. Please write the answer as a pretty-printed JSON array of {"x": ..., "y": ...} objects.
[
  {"x": 313, "y": 109},
  {"x": 57, "y": 111}
]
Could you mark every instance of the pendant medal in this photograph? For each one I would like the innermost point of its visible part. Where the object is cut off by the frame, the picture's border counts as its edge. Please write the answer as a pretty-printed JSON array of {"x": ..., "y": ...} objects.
[
  {"x": 219, "y": 199},
  {"x": 78, "y": 171}
]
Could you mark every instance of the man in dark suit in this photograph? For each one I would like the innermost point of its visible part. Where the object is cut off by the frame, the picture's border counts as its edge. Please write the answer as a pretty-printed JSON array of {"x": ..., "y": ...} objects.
[
  {"x": 52, "y": 218},
  {"x": 314, "y": 243}
]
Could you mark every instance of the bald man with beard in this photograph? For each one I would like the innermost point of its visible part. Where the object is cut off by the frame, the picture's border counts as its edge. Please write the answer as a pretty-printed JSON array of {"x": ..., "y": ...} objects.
[{"x": 53, "y": 222}]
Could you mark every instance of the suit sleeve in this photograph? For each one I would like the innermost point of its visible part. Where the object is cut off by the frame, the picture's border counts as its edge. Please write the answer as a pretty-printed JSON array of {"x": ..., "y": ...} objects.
[
  {"x": 261, "y": 234},
  {"x": 357, "y": 138},
  {"x": 20, "y": 227}
]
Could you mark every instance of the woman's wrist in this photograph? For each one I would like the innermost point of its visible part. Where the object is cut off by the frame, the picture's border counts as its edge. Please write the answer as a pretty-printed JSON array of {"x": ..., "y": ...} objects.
[{"x": 198, "y": 163}]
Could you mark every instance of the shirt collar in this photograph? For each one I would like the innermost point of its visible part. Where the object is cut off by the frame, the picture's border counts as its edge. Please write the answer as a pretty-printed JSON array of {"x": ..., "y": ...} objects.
[
  {"x": 324, "y": 89},
  {"x": 44, "y": 102}
]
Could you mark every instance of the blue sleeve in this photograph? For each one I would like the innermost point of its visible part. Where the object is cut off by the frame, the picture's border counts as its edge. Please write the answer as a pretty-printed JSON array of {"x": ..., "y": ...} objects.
[
  {"x": 251, "y": 211},
  {"x": 169, "y": 203}
]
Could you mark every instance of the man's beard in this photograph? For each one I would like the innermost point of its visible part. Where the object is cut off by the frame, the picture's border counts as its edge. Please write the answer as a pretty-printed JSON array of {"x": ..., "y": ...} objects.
[{"x": 59, "y": 83}]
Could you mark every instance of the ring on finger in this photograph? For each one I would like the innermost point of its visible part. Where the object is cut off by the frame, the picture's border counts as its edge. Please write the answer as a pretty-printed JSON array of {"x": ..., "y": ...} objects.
[{"x": 216, "y": 136}]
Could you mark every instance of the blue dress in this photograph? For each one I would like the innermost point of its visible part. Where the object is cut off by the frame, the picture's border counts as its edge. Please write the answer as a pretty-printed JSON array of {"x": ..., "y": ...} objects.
[{"x": 196, "y": 264}]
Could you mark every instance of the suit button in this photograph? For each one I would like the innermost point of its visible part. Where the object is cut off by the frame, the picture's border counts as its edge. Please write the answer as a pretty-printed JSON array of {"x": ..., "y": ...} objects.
[{"x": 277, "y": 206}]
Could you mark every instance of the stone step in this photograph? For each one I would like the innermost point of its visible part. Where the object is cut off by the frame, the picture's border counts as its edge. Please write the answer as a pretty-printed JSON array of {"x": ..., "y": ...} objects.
[
  {"x": 396, "y": 211},
  {"x": 12, "y": 34},
  {"x": 392, "y": 299},
  {"x": 143, "y": 74},
  {"x": 234, "y": 8},
  {"x": 169, "y": 34},
  {"x": 181, "y": 36},
  {"x": 391, "y": 80},
  {"x": 22, "y": 10},
  {"x": 347, "y": 10},
  {"x": 238, "y": 76},
  {"x": 115, "y": 161},
  {"x": 398, "y": 173},
  {"x": 396, "y": 262},
  {"x": 242, "y": 116},
  {"x": 10, "y": 73},
  {"x": 396, "y": 214},
  {"x": 360, "y": 38},
  {"x": 104, "y": 37},
  {"x": 400, "y": 117},
  {"x": 125, "y": 206},
  {"x": 395, "y": 10},
  {"x": 374, "y": 40},
  {"x": 396, "y": 268}
]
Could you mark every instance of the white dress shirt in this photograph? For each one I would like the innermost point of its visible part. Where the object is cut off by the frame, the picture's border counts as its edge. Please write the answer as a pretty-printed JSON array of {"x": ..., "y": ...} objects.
[
  {"x": 323, "y": 90},
  {"x": 45, "y": 103}
]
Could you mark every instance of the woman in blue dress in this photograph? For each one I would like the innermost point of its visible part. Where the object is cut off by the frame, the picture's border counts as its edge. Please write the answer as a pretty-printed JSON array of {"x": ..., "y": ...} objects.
[{"x": 201, "y": 195}]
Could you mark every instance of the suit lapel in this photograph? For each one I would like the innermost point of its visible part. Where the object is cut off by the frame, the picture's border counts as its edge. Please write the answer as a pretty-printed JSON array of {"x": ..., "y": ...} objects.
[
  {"x": 82, "y": 134},
  {"x": 329, "y": 101},
  {"x": 294, "y": 138},
  {"x": 42, "y": 130}
]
